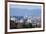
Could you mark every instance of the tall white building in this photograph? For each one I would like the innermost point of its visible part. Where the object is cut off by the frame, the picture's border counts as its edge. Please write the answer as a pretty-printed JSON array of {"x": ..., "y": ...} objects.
[
  {"x": 29, "y": 20},
  {"x": 13, "y": 18}
]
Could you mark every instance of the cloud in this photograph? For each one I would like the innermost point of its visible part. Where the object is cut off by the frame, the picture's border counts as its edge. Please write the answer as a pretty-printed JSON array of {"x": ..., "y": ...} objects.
[{"x": 28, "y": 7}]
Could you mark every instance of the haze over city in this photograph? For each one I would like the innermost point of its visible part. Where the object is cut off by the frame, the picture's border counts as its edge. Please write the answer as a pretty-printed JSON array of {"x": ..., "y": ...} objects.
[{"x": 25, "y": 10}]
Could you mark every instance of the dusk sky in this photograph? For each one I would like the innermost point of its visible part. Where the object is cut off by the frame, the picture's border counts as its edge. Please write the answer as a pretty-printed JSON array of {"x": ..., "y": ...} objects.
[{"x": 25, "y": 10}]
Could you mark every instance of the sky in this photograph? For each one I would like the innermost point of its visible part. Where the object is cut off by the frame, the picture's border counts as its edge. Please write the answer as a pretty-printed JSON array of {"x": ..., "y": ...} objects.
[{"x": 25, "y": 10}]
